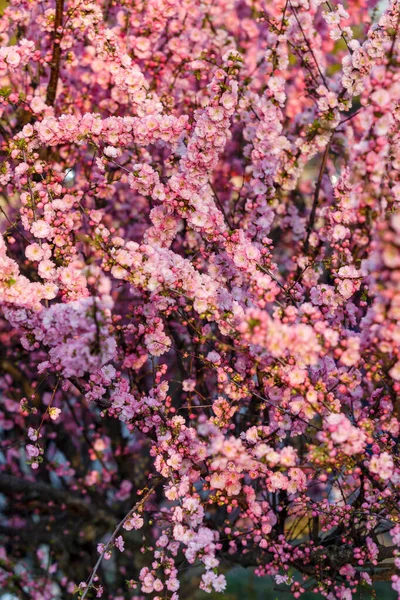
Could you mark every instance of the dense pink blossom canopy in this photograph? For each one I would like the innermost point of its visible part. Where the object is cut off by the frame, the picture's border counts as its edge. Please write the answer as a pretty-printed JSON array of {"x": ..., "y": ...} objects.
[{"x": 199, "y": 295}]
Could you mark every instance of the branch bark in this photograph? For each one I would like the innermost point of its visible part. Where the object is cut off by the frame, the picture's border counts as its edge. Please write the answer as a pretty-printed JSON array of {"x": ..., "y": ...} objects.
[
  {"x": 56, "y": 58},
  {"x": 11, "y": 485},
  {"x": 80, "y": 386},
  {"x": 311, "y": 221}
]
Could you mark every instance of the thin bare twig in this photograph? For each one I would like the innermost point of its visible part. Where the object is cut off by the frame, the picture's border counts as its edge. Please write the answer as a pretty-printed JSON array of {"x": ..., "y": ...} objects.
[
  {"x": 220, "y": 205},
  {"x": 308, "y": 45},
  {"x": 114, "y": 535}
]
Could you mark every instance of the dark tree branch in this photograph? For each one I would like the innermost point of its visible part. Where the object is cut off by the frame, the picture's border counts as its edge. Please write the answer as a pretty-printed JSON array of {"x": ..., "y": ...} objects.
[
  {"x": 311, "y": 221},
  {"x": 56, "y": 58},
  {"x": 80, "y": 386},
  {"x": 10, "y": 485}
]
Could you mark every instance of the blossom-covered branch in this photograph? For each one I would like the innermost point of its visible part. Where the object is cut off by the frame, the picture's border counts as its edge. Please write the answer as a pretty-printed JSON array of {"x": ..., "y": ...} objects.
[{"x": 199, "y": 295}]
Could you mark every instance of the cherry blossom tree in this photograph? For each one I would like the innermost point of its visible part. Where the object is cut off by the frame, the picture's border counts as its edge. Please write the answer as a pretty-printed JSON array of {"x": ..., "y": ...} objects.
[{"x": 200, "y": 296}]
